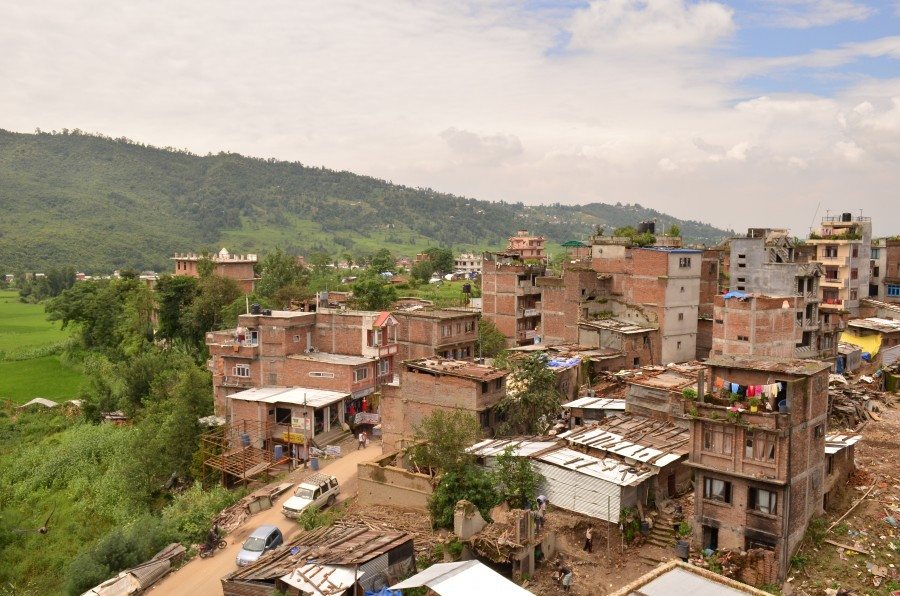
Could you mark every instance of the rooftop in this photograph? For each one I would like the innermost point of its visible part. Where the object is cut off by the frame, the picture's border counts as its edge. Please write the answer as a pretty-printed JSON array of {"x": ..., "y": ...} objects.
[
  {"x": 667, "y": 379},
  {"x": 596, "y": 403},
  {"x": 522, "y": 446},
  {"x": 790, "y": 366},
  {"x": 681, "y": 579},
  {"x": 616, "y": 325},
  {"x": 462, "y": 578},
  {"x": 438, "y": 313},
  {"x": 837, "y": 442},
  {"x": 638, "y": 438},
  {"x": 332, "y": 545},
  {"x": 457, "y": 368},
  {"x": 282, "y": 314},
  {"x": 876, "y": 324},
  {"x": 315, "y": 398},
  {"x": 333, "y": 358},
  {"x": 609, "y": 469}
]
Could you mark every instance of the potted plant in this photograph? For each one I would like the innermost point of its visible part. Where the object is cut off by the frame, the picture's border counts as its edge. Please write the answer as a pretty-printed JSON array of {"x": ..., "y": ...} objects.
[
  {"x": 689, "y": 393},
  {"x": 754, "y": 404},
  {"x": 733, "y": 416},
  {"x": 734, "y": 397}
]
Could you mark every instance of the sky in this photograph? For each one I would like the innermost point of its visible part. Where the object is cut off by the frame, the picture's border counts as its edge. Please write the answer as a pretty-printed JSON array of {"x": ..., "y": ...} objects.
[{"x": 745, "y": 113}]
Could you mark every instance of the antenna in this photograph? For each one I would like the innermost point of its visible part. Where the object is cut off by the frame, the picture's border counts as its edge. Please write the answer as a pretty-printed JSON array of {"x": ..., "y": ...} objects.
[{"x": 816, "y": 212}]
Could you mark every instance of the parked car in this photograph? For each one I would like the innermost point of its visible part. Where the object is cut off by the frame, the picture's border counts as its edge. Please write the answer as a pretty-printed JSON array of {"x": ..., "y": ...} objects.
[
  {"x": 320, "y": 490},
  {"x": 263, "y": 539}
]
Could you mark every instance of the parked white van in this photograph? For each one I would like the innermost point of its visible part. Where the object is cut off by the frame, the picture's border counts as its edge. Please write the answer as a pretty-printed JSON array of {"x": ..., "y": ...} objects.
[{"x": 320, "y": 490}]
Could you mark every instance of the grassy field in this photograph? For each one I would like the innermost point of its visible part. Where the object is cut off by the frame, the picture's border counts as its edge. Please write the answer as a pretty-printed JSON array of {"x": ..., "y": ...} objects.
[
  {"x": 25, "y": 328},
  {"x": 449, "y": 293}
]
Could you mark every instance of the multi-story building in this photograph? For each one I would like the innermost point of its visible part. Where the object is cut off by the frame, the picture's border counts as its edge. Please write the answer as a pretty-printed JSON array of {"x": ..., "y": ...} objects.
[
  {"x": 579, "y": 294},
  {"x": 891, "y": 273},
  {"x": 432, "y": 384},
  {"x": 526, "y": 246},
  {"x": 236, "y": 267},
  {"x": 510, "y": 297},
  {"x": 844, "y": 246},
  {"x": 769, "y": 262},
  {"x": 878, "y": 269},
  {"x": 468, "y": 263},
  {"x": 348, "y": 351},
  {"x": 759, "y": 476},
  {"x": 424, "y": 333},
  {"x": 710, "y": 286}
]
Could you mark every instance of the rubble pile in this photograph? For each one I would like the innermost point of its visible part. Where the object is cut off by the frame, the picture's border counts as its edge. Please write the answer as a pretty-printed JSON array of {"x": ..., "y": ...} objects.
[
  {"x": 498, "y": 540},
  {"x": 384, "y": 518},
  {"x": 853, "y": 403},
  {"x": 232, "y": 517}
]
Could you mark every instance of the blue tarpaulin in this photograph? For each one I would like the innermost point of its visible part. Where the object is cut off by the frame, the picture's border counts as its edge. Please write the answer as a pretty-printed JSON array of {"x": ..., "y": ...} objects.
[
  {"x": 564, "y": 362},
  {"x": 735, "y": 295}
]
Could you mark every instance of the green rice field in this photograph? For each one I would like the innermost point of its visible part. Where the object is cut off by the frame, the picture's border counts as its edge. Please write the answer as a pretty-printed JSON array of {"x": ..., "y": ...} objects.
[{"x": 24, "y": 330}]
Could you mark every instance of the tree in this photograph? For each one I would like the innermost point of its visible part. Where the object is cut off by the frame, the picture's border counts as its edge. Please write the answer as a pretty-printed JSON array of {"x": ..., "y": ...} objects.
[
  {"x": 371, "y": 292},
  {"x": 532, "y": 400},
  {"x": 277, "y": 271},
  {"x": 205, "y": 266},
  {"x": 490, "y": 341},
  {"x": 207, "y": 313},
  {"x": 442, "y": 438},
  {"x": 174, "y": 295},
  {"x": 423, "y": 270},
  {"x": 441, "y": 259},
  {"x": 471, "y": 483},
  {"x": 515, "y": 479},
  {"x": 382, "y": 261},
  {"x": 674, "y": 231}
]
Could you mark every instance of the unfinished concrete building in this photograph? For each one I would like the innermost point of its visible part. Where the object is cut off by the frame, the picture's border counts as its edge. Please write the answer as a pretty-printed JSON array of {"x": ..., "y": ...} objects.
[
  {"x": 758, "y": 325},
  {"x": 579, "y": 294},
  {"x": 758, "y": 451},
  {"x": 769, "y": 262},
  {"x": 510, "y": 297}
]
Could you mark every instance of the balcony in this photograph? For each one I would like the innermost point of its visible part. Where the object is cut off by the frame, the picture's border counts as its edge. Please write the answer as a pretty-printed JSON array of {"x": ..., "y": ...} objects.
[
  {"x": 835, "y": 261},
  {"x": 834, "y": 282},
  {"x": 525, "y": 288},
  {"x": 386, "y": 350},
  {"x": 528, "y": 334},
  {"x": 530, "y": 312},
  {"x": 832, "y": 303},
  {"x": 805, "y": 352}
]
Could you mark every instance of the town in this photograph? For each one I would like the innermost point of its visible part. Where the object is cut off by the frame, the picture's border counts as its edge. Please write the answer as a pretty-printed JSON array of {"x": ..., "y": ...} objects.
[{"x": 634, "y": 414}]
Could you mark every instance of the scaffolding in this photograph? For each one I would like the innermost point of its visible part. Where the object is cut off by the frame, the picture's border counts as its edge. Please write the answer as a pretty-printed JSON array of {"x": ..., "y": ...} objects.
[{"x": 238, "y": 453}]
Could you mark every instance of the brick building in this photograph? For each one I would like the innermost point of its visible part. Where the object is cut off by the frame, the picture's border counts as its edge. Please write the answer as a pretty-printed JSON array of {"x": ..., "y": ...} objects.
[
  {"x": 891, "y": 273},
  {"x": 468, "y": 263},
  {"x": 844, "y": 246},
  {"x": 236, "y": 267},
  {"x": 510, "y": 297},
  {"x": 711, "y": 285},
  {"x": 351, "y": 351},
  {"x": 431, "y": 384},
  {"x": 769, "y": 262},
  {"x": 632, "y": 341},
  {"x": 757, "y": 325},
  {"x": 448, "y": 334},
  {"x": 526, "y": 246},
  {"x": 579, "y": 294},
  {"x": 759, "y": 476}
]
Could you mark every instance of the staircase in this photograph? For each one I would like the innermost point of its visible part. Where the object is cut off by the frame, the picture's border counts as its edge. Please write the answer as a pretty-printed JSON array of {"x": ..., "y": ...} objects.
[{"x": 662, "y": 534}]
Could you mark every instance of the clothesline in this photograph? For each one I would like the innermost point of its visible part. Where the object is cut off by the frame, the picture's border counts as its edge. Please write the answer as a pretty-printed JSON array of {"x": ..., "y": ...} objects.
[{"x": 766, "y": 390}]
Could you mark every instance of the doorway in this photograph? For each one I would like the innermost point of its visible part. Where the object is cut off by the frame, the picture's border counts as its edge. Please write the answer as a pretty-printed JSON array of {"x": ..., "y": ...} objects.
[{"x": 710, "y": 538}]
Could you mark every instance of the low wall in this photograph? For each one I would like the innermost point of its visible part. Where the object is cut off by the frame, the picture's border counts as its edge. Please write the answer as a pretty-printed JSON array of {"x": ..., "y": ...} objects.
[{"x": 382, "y": 484}]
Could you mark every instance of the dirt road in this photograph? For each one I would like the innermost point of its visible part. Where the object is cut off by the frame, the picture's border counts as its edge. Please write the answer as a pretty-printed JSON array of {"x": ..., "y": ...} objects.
[{"x": 202, "y": 577}]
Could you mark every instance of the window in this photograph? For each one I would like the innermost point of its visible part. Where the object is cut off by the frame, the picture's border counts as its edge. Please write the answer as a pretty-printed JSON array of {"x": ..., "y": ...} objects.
[
  {"x": 855, "y": 251},
  {"x": 242, "y": 370},
  {"x": 876, "y": 252},
  {"x": 458, "y": 328},
  {"x": 360, "y": 374},
  {"x": 445, "y": 330},
  {"x": 742, "y": 265},
  {"x": 762, "y": 500},
  {"x": 681, "y": 316},
  {"x": 820, "y": 431},
  {"x": 853, "y": 294},
  {"x": 296, "y": 339},
  {"x": 716, "y": 490},
  {"x": 893, "y": 290},
  {"x": 831, "y": 252},
  {"x": 321, "y": 375},
  {"x": 646, "y": 341},
  {"x": 742, "y": 256},
  {"x": 743, "y": 338},
  {"x": 682, "y": 289},
  {"x": 759, "y": 446},
  {"x": 718, "y": 438},
  {"x": 498, "y": 384},
  {"x": 684, "y": 262},
  {"x": 637, "y": 362},
  {"x": 679, "y": 346},
  {"x": 272, "y": 378},
  {"x": 470, "y": 326},
  {"x": 384, "y": 367},
  {"x": 854, "y": 274},
  {"x": 282, "y": 415},
  {"x": 742, "y": 279}
]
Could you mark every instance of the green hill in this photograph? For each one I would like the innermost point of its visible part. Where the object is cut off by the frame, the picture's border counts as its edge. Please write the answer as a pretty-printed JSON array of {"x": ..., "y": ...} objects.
[{"x": 99, "y": 203}]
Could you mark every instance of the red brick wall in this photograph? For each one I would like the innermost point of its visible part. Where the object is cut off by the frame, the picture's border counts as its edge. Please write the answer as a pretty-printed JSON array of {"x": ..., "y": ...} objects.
[
  {"x": 422, "y": 336},
  {"x": 296, "y": 372},
  {"x": 339, "y": 333}
]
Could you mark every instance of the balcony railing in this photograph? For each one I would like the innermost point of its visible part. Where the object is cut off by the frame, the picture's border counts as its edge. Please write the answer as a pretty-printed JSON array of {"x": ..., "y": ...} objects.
[
  {"x": 236, "y": 382},
  {"x": 527, "y": 334},
  {"x": 530, "y": 312}
]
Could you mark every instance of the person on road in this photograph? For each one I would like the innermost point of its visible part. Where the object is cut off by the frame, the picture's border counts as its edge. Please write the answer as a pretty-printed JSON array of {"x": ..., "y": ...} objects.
[
  {"x": 362, "y": 440},
  {"x": 589, "y": 539},
  {"x": 212, "y": 538}
]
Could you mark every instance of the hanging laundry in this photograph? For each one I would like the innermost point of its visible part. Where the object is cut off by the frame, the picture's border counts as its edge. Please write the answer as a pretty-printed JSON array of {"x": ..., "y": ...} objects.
[
  {"x": 719, "y": 383},
  {"x": 735, "y": 387}
]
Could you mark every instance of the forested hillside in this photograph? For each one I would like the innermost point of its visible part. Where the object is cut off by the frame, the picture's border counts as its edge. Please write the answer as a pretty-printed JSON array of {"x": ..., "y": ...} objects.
[{"x": 99, "y": 203}]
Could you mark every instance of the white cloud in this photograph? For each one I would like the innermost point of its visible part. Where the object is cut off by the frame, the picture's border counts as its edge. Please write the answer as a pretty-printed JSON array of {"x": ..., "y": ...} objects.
[
  {"x": 640, "y": 105},
  {"x": 804, "y": 14}
]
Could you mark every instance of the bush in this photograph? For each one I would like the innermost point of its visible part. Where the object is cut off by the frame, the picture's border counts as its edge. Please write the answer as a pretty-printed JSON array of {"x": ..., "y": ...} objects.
[
  {"x": 817, "y": 530},
  {"x": 189, "y": 517},
  {"x": 312, "y": 517}
]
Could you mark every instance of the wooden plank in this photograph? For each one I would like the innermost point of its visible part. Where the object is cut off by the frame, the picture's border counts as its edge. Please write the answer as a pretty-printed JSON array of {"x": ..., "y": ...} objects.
[{"x": 847, "y": 547}]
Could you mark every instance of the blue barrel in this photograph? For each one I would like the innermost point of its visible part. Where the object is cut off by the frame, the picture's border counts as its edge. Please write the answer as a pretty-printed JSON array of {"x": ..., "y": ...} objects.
[
  {"x": 279, "y": 452},
  {"x": 245, "y": 440},
  {"x": 314, "y": 463},
  {"x": 783, "y": 406}
]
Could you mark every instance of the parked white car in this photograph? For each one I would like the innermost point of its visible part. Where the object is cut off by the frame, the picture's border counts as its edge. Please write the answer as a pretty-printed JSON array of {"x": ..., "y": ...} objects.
[{"x": 319, "y": 490}]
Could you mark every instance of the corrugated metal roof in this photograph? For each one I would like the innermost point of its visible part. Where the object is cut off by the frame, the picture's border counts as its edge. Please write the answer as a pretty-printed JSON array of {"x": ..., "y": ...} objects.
[
  {"x": 522, "y": 447},
  {"x": 681, "y": 582},
  {"x": 605, "y": 440},
  {"x": 836, "y": 442},
  {"x": 322, "y": 580},
  {"x": 596, "y": 403},
  {"x": 314, "y": 398},
  {"x": 463, "y": 578},
  {"x": 608, "y": 469}
]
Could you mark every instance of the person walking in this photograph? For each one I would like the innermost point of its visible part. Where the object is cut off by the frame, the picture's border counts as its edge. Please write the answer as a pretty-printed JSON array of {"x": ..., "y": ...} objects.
[
  {"x": 565, "y": 574},
  {"x": 362, "y": 440},
  {"x": 589, "y": 539}
]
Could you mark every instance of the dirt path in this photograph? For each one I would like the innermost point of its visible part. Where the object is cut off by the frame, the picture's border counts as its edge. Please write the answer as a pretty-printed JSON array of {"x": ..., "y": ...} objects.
[{"x": 202, "y": 577}]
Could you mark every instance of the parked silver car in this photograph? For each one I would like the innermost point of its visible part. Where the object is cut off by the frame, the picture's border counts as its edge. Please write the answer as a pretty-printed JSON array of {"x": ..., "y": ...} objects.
[{"x": 263, "y": 538}]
